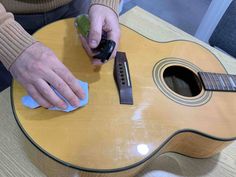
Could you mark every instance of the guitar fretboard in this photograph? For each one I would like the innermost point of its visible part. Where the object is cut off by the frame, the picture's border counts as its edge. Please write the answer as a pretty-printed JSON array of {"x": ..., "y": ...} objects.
[{"x": 218, "y": 82}]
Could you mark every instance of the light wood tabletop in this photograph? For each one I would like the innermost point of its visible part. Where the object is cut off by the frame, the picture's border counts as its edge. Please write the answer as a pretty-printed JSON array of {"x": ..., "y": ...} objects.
[{"x": 15, "y": 161}]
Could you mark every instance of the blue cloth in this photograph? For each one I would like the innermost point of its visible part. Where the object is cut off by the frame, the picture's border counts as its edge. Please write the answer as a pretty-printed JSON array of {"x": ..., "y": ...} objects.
[{"x": 29, "y": 102}]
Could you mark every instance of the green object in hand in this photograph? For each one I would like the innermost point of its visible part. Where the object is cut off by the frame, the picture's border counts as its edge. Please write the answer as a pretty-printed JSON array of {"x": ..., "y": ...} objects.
[
  {"x": 82, "y": 24},
  {"x": 105, "y": 48}
]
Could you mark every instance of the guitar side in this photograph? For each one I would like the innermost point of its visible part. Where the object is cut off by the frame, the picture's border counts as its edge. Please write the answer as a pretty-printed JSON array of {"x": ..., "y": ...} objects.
[{"x": 186, "y": 143}]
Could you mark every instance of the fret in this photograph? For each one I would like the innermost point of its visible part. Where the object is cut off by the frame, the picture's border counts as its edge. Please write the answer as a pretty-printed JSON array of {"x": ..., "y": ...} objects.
[
  {"x": 206, "y": 82},
  {"x": 228, "y": 82},
  {"x": 223, "y": 78},
  {"x": 232, "y": 82},
  {"x": 234, "y": 78},
  {"x": 218, "y": 81},
  {"x": 203, "y": 77},
  {"x": 212, "y": 81},
  {"x": 222, "y": 82}
]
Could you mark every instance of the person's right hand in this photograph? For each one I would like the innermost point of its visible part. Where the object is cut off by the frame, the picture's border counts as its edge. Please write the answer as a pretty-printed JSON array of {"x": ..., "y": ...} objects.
[{"x": 36, "y": 68}]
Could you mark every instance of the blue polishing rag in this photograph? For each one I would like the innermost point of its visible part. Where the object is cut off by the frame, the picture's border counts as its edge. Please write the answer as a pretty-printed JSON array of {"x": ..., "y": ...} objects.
[{"x": 29, "y": 102}]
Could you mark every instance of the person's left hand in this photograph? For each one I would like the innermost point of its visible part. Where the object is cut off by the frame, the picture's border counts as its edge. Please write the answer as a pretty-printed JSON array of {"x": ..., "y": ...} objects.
[{"x": 101, "y": 18}]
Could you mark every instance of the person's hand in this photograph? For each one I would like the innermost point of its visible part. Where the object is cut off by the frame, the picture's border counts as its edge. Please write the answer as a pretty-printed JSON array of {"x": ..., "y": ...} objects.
[
  {"x": 101, "y": 18},
  {"x": 36, "y": 68}
]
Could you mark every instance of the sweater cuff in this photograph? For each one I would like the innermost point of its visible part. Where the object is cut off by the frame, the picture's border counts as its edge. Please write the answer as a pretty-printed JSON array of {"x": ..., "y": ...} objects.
[
  {"x": 13, "y": 41},
  {"x": 113, "y": 4}
]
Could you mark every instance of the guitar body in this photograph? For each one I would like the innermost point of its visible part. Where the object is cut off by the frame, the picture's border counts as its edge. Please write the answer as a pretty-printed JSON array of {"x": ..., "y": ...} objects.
[{"x": 171, "y": 112}]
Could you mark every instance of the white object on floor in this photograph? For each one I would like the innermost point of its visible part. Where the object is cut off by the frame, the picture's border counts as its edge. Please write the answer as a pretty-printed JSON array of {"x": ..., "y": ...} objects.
[{"x": 159, "y": 173}]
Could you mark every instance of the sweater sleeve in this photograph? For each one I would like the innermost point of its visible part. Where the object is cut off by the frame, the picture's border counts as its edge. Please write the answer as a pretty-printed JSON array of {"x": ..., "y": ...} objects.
[
  {"x": 113, "y": 4},
  {"x": 13, "y": 38}
]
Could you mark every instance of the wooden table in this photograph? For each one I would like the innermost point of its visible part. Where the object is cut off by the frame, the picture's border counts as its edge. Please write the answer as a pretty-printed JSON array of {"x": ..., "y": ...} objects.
[{"x": 14, "y": 160}]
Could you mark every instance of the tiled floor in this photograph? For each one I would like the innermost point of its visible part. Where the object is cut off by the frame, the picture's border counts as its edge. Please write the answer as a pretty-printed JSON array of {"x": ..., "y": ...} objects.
[{"x": 185, "y": 14}]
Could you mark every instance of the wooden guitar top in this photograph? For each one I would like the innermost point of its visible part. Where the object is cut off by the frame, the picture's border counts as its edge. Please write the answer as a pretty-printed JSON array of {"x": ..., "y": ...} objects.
[{"x": 106, "y": 135}]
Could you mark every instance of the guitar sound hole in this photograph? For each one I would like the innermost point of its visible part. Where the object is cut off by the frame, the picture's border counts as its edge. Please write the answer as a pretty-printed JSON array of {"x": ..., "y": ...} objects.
[{"x": 182, "y": 81}]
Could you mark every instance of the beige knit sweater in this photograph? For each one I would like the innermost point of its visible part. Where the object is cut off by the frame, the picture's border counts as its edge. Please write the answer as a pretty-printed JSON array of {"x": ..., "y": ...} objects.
[{"x": 13, "y": 38}]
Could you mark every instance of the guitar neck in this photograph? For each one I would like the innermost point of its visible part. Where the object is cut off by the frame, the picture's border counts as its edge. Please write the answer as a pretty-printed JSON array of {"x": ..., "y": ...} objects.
[{"x": 218, "y": 82}]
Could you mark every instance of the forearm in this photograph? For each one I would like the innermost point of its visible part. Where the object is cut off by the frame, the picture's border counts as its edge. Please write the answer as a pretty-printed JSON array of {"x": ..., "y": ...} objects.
[{"x": 13, "y": 38}]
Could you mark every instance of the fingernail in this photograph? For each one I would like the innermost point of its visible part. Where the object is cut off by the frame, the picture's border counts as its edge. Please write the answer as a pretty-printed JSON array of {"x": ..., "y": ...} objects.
[
  {"x": 63, "y": 106},
  {"x": 75, "y": 103},
  {"x": 93, "y": 43},
  {"x": 81, "y": 95}
]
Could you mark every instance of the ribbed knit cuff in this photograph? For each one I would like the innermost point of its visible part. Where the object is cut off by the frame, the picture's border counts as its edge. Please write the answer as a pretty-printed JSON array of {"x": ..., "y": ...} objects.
[
  {"x": 113, "y": 4},
  {"x": 13, "y": 41}
]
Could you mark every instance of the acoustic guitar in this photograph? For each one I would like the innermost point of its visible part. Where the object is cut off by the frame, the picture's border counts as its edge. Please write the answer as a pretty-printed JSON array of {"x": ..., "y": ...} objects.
[{"x": 172, "y": 110}]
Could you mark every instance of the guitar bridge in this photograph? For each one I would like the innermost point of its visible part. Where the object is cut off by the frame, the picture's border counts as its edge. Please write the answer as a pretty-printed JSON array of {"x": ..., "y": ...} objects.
[{"x": 122, "y": 78}]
